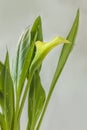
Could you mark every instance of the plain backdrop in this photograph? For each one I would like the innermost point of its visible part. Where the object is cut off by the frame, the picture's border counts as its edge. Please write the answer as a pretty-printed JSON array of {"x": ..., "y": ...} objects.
[{"x": 68, "y": 106}]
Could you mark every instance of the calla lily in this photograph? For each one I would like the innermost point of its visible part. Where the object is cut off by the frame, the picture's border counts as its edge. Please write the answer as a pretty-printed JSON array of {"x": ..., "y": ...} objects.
[
  {"x": 25, "y": 80},
  {"x": 43, "y": 48}
]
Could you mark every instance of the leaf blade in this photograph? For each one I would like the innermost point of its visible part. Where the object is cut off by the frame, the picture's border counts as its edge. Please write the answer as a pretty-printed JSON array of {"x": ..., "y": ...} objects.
[
  {"x": 30, "y": 36},
  {"x": 36, "y": 100},
  {"x": 8, "y": 93},
  {"x": 2, "y": 122},
  {"x": 66, "y": 49}
]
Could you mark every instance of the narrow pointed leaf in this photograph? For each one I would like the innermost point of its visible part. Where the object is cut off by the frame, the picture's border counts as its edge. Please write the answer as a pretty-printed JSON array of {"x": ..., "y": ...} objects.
[
  {"x": 8, "y": 97},
  {"x": 2, "y": 79},
  {"x": 35, "y": 101},
  {"x": 8, "y": 94},
  {"x": 7, "y": 61},
  {"x": 66, "y": 50}
]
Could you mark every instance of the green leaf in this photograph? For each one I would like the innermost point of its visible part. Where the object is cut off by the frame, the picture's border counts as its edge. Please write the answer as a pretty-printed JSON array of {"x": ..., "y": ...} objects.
[
  {"x": 23, "y": 46},
  {"x": 8, "y": 97},
  {"x": 1, "y": 80},
  {"x": 66, "y": 50},
  {"x": 7, "y": 61},
  {"x": 37, "y": 28},
  {"x": 8, "y": 93},
  {"x": 1, "y": 101},
  {"x": 1, "y": 65},
  {"x": 27, "y": 63},
  {"x": 42, "y": 49},
  {"x": 36, "y": 101},
  {"x": 2, "y": 122},
  {"x": 1, "y": 86},
  {"x": 23, "y": 55}
]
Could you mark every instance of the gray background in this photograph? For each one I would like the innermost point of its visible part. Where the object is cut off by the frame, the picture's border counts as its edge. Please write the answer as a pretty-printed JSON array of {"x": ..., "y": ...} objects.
[{"x": 68, "y": 107}]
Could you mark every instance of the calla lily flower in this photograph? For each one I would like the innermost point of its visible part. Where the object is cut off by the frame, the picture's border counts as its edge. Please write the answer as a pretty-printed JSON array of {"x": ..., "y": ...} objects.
[{"x": 43, "y": 48}]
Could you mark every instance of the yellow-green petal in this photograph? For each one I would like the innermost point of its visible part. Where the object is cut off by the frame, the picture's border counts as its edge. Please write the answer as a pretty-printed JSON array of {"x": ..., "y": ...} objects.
[{"x": 43, "y": 48}]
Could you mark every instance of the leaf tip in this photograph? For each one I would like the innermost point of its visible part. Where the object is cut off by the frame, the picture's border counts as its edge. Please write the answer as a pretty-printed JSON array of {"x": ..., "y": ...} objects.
[{"x": 78, "y": 11}]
